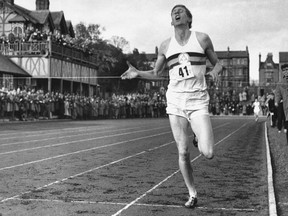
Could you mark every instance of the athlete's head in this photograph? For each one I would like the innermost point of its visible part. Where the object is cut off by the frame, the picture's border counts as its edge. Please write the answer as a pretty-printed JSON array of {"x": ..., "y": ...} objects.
[
  {"x": 284, "y": 69},
  {"x": 188, "y": 13}
]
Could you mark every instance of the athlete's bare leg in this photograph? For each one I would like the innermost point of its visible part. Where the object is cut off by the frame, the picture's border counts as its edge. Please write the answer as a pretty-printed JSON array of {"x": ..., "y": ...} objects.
[
  {"x": 201, "y": 125},
  {"x": 180, "y": 128}
]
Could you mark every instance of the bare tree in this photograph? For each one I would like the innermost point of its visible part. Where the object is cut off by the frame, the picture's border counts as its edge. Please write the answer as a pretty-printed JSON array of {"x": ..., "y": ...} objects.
[{"x": 119, "y": 42}]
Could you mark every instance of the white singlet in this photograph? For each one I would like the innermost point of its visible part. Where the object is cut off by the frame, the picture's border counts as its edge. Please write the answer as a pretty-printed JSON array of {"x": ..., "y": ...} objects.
[{"x": 187, "y": 89}]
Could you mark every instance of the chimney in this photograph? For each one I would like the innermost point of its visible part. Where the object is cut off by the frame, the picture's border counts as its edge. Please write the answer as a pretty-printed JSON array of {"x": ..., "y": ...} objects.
[
  {"x": 156, "y": 50},
  {"x": 259, "y": 60},
  {"x": 42, "y": 4}
]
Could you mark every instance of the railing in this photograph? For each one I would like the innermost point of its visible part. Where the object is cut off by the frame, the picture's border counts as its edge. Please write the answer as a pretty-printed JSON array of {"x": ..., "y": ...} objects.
[
  {"x": 44, "y": 48},
  {"x": 73, "y": 53},
  {"x": 19, "y": 48}
]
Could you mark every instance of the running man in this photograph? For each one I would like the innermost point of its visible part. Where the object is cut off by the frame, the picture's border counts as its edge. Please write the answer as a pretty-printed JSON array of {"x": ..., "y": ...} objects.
[
  {"x": 185, "y": 54},
  {"x": 256, "y": 109}
]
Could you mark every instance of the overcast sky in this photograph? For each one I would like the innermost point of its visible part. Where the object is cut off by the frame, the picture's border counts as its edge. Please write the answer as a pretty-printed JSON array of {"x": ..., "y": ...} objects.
[{"x": 259, "y": 24}]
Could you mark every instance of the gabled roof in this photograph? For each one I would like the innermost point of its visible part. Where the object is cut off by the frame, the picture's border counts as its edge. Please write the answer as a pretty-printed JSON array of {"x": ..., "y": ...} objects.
[
  {"x": 40, "y": 16},
  {"x": 57, "y": 16},
  {"x": 59, "y": 20},
  {"x": 70, "y": 28},
  {"x": 21, "y": 11},
  {"x": 35, "y": 17},
  {"x": 8, "y": 66},
  {"x": 55, "y": 19},
  {"x": 273, "y": 66},
  {"x": 18, "y": 18}
]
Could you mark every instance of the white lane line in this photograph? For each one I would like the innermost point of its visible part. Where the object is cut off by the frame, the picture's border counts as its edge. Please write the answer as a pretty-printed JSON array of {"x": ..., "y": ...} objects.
[
  {"x": 61, "y": 137},
  {"x": 81, "y": 151},
  {"x": 230, "y": 134},
  {"x": 170, "y": 176},
  {"x": 4, "y": 133},
  {"x": 271, "y": 192},
  {"x": 149, "y": 191},
  {"x": 59, "y": 181},
  {"x": 82, "y": 173},
  {"x": 151, "y": 149},
  {"x": 136, "y": 204},
  {"x": 50, "y": 131},
  {"x": 75, "y": 141},
  {"x": 42, "y": 133}
]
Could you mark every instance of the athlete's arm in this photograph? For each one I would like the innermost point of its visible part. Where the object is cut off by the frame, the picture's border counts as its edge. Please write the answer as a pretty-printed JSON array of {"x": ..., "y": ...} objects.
[
  {"x": 207, "y": 45},
  {"x": 132, "y": 72}
]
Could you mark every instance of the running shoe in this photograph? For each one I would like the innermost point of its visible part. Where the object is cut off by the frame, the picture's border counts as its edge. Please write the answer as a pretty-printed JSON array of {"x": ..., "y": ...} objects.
[
  {"x": 195, "y": 140},
  {"x": 191, "y": 203}
]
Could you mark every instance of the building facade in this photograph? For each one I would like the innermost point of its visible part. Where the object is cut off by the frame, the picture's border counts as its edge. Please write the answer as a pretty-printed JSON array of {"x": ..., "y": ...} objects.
[
  {"x": 31, "y": 39},
  {"x": 268, "y": 75},
  {"x": 268, "y": 71}
]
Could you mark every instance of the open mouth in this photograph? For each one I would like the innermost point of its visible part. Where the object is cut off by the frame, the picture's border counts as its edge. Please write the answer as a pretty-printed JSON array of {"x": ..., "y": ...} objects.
[{"x": 177, "y": 17}]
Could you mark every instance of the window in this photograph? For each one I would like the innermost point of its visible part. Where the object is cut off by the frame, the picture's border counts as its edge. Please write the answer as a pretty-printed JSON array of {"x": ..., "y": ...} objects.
[
  {"x": 18, "y": 31},
  {"x": 7, "y": 81},
  {"x": 269, "y": 74},
  {"x": 239, "y": 72}
]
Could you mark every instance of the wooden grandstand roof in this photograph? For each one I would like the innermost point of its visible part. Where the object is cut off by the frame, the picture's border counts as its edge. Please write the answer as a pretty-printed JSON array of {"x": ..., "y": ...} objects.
[{"x": 8, "y": 66}]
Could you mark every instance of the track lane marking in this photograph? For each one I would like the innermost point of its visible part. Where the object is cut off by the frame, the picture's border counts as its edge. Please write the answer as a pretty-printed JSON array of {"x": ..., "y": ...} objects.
[
  {"x": 65, "y": 179},
  {"x": 56, "y": 131},
  {"x": 149, "y": 150},
  {"x": 69, "y": 132},
  {"x": 75, "y": 141},
  {"x": 271, "y": 192},
  {"x": 81, "y": 151},
  {"x": 50, "y": 131},
  {"x": 170, "y": 176},
  {"x": 87, "y": 171},
  {"x": 87, "y": 202}
]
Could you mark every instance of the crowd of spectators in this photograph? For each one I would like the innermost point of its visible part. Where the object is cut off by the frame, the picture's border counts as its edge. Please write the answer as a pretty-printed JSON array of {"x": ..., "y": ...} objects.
[
  {"x": 31, "y": 104},
  {"x": 36, "y": 36}
]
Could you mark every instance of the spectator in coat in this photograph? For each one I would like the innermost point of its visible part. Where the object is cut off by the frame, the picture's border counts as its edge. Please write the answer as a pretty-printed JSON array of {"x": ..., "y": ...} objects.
[{"x": 281, "y": 93}]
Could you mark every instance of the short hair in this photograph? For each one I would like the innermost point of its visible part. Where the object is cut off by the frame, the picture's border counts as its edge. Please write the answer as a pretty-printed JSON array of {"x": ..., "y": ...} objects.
[
  {"x": 284, "y": 66},
  {"x": 189, "y": 14}
]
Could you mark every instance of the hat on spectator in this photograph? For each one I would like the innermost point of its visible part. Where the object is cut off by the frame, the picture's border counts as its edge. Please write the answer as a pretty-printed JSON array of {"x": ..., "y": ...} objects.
[{"x": 284, "y": 66}]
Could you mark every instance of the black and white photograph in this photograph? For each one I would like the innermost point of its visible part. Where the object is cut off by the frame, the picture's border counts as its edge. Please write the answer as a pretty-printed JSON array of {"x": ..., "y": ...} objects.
[{"x": 143, "y": 108}]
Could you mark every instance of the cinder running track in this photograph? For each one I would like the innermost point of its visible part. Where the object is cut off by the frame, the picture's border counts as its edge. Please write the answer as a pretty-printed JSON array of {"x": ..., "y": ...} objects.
[{"x": 129, "y": 167}]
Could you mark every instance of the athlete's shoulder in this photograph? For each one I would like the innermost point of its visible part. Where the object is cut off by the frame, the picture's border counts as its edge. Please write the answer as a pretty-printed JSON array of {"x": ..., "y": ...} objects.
[
  {"x": 164, "y": 46},
  {"x": 203, "y": 39}
]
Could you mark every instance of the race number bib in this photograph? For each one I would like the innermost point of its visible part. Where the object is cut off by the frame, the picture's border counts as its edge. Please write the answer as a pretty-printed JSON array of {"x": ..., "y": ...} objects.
[{"x": 182, "y": 71}]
